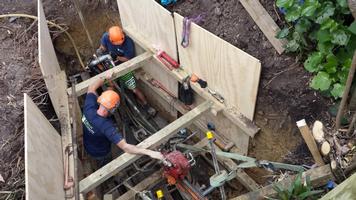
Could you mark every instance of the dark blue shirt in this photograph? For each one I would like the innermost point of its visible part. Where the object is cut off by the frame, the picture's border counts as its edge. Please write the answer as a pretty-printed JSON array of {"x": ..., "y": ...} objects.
[
  {"x": 99, "y": 132},
  {"x": 127, "y": 49}
]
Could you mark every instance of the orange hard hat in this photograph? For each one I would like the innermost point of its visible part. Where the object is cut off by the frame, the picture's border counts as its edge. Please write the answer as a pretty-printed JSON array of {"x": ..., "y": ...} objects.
[
  {"x": 116, "y": 35},
  {"x": 109, "y": 99}
]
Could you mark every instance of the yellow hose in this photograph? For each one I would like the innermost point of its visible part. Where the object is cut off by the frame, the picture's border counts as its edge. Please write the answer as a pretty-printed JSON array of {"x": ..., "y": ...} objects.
[{"x": 53, "y": 24}]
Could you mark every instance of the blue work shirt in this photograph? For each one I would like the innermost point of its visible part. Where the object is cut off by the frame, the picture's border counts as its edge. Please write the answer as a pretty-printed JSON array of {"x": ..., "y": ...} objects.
[
  {"x": 99, "y": 132},
  {"x": 127, "y": 49}
]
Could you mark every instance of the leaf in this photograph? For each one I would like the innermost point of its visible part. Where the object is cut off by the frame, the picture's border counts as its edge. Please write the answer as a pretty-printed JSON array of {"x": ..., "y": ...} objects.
[
  {"x": 302, "y": 25},
  {"x": 321, "y": 81},
  {"x": 311, "y": 64},
  {"x": 327, "y": 11},
  {"x": 293, "y": 14},
  {"x": 352, "y": 27},
  {"x": 298, "y": 184},
  {"x": 283, "y": 33},
  {"x": 323, "y": 35},
  {"x": 309, "y": 194},
  {"x": 309, "y": 8},
  {"x": 337, "y": 90},
  {"x": 331, "y": 63},
  {"x": 329, "y": 24},
  {"x": 284, "y": 3},
  {"x": 326, "y": 47},
  {"x": 340, "y": 37},
  {"x": 292, "y": 46},
  {"x": 342, "y": 3}
]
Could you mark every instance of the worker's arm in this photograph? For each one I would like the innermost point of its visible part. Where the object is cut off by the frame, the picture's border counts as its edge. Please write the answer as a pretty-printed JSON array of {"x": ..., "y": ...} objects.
[
  {"x": 122, "y": 58},
  {"x": 129, "y": 148},
  {"x": 98, "y": 83}
]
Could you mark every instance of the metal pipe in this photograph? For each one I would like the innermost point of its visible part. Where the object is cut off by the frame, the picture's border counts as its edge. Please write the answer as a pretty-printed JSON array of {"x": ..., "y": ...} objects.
[{"x": 216, "y": 166}]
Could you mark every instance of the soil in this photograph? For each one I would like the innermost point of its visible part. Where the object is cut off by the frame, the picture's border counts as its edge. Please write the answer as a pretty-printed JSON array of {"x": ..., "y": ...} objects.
[{"x": 19, "y": 71}]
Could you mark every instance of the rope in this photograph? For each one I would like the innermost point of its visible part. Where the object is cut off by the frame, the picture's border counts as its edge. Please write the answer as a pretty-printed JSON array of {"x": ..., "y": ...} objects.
[{"x": 53, "y": 24}]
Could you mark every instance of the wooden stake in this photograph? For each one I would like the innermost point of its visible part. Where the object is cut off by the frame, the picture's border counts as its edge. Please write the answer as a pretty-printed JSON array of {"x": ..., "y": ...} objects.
[{"x": 309, "y": 140}]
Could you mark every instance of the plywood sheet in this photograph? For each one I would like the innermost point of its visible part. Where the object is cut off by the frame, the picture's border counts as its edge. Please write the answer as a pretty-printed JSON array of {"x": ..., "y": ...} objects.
[
  {"x": 48, "y": 61},
  {"x": 227, "y": 69},
  {"x": 43, "y": 155},
  {"x": 151, "y": 21}
]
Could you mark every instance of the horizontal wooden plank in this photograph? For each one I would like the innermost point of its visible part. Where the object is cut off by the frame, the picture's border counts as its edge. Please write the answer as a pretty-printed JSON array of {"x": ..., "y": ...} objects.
[
  {"x": 117, "y": 71},
  {"x": 265, "y": 22},
  {"x": 153, "y": 141}
]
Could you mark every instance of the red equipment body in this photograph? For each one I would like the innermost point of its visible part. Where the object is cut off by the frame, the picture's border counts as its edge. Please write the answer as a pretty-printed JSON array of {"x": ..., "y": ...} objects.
[{"x": 180, "y": 166}]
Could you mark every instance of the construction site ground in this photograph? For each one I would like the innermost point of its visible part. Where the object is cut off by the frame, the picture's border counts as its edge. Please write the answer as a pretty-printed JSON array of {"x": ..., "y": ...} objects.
[{"x": 284, "y": 95}]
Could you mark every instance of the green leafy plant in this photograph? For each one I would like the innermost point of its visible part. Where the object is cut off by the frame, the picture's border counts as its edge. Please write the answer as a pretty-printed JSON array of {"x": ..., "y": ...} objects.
[
  {"x": 320, "y": 31},
  {"x": 297, "y": 190}
]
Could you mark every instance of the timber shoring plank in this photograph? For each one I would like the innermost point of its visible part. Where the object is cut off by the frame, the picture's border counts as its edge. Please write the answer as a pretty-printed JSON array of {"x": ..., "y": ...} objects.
[
  {"x": 43, "y": 155},
  {"x": 154, "y": 140},
  {"x": 117, "y": 71},
  {"x": 155, "y": 177},
  {"x": 318, "y": 177},
  {"x": 265, "y": 22},
  {"x": 345, "y": 191}
]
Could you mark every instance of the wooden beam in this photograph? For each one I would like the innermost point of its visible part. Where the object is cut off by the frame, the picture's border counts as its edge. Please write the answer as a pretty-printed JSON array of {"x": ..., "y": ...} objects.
[
  {"x": 241, "y": 121},
  {"x": 318, "y": 177},
  {"x": 153, "y": 141},
  {"x": 241, "y": 175},
  {"x": 310, "y": 141},
  {"x": 346, "y": 190},
  {"x": 265, "y": 22},
  {"x": 117, "y": 71},
  {"x": 152, "y": 179}
]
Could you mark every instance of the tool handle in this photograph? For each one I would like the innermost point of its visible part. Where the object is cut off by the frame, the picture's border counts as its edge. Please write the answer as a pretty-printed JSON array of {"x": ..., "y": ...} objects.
[{"x": 169, "y": 59}]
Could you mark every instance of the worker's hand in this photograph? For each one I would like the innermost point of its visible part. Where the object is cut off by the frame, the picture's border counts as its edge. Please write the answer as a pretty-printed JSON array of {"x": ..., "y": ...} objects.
[
  {"x": 156, "y": 155},
  {"x": 108, "y": 75},
  {"x": 99, "y": 52},
  {"x": 122, "y": 58}
]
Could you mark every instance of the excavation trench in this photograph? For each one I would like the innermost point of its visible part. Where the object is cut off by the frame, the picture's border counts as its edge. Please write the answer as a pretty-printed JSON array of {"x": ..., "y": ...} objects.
[{"x": 276, "y": 123}]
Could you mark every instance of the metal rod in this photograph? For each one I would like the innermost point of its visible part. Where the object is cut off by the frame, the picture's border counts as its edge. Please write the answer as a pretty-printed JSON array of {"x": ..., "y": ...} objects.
[{"x": 216, "y": 166}]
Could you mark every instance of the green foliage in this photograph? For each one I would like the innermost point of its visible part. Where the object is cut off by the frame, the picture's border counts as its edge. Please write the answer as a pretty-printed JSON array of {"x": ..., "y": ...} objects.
[
  {"x": 319, "y": 32},
  {"x": 297, "y": 190}
]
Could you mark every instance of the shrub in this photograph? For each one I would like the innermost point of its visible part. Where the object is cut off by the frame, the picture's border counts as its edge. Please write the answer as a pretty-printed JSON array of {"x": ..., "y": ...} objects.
[{"x": 322, "y": 33}]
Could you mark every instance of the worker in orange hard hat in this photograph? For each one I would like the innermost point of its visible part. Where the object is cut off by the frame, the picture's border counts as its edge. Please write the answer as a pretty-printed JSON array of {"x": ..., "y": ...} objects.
[
  {"x": 121, "y": 48},
  {"x": 100, "y": 130}
]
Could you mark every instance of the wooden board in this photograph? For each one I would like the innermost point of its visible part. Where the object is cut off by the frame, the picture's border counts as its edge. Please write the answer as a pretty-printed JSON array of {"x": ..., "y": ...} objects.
[
  {"x": 150, "y": 20},
  {"x": 119, "y": 70},
  {"x": 345, "y": 191},
  {"x": 265, "y": 22},
  {"x": 318, "y": 177},
  {"x": 153, "y": 141},
  {"x": 227, "y": 69},
  {"x": 43, "y": 155},
  {"x": 48, "y": 60}
]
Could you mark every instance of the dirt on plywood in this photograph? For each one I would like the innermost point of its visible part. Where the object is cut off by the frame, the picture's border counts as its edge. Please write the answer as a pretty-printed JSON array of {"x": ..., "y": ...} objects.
[{"x": 284, "y": 95}]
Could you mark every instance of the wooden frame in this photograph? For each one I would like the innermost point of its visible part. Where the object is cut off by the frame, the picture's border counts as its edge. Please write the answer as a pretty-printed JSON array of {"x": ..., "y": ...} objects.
[
  {"x": 156, "y": 139},
  {"x": 130, "y": 65}
]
